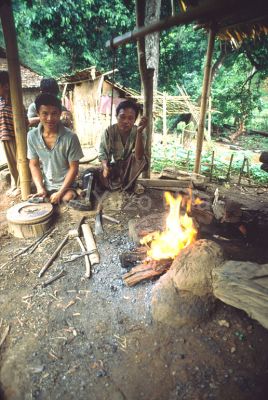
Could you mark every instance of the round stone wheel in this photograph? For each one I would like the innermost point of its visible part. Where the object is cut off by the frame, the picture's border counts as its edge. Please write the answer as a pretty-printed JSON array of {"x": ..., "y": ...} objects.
[{"x": 26, "y": 220}]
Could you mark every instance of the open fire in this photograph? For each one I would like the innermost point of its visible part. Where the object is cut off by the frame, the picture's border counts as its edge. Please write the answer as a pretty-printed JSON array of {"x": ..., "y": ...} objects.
[
  {"x": 179, "y": 232},
  {"x": 159, "y": 248}
]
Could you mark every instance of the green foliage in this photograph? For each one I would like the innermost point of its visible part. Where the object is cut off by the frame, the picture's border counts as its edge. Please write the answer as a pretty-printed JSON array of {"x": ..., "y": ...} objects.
[
  {"x": 231, "y": 96},
  {"x": 57, "y": 37},
  {"x": 182, "y": 52},
  {"x": 176, "y": 156},
  {"x": 78, "y": 33}
]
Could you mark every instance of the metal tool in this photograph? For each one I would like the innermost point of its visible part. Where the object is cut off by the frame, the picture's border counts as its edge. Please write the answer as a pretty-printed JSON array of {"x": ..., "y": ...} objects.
[
  {"x": 37, "y": 200},
  {"x": 71, "y": 234},
  {"x": 84, "y": 205},
  {"x": 98, "y": 222},
  {"x": 72, "y": 257}
]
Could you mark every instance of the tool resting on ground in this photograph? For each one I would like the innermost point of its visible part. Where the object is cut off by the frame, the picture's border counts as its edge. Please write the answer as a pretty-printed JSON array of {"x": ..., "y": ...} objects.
[{"x": 71, "y": 234}]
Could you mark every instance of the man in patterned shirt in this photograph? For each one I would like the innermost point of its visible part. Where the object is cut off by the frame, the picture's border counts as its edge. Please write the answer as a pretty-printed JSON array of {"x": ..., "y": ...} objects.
[
  {"x": 121, "y": 149},
  {"x": 7, "y": 133}
]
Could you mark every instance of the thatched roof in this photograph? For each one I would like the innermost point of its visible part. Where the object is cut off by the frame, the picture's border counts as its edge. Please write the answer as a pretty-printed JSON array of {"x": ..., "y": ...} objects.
[
  {"x": 90, "y": 74},
  {"x": 29, "y": 78},
  {"x": 234, "y": 20},
  {"x": 87, "y": 74}
]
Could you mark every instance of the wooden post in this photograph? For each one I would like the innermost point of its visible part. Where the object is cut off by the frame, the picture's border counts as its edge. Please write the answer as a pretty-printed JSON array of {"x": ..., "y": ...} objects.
[
  {"x": 147, "y": 77},
  {"x": 205, "y": 91},
  {"x": 164, "y": 121},
  {"x": 16, "y": 95},
  {"x": 209, "y": 120},
  {"x": 148, "y": 84}
]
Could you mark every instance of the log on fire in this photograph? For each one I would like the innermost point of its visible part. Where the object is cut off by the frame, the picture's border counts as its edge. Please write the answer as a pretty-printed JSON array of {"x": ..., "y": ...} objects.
[
  {"x": 130, "y": 258},
  {"x": 147, "y": 270}
]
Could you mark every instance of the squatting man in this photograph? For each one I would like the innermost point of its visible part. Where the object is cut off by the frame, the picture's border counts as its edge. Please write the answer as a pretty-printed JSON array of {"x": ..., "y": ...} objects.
[{"x": 56, "y": 149}]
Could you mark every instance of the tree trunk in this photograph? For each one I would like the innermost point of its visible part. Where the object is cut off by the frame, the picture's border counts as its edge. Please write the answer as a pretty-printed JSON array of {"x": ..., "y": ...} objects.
[
  {"x": 152, "y": 14},
  {"x": 148, "y": 56},
  {"x": 16, "y": 95}
]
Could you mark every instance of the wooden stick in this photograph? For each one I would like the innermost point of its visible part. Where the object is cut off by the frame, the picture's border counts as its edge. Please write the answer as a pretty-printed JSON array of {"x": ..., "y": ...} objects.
[
  {"x": 53, "y": 279},
  {"x": 43, "y": 237},
  {"x": 229, "y": 168},
  {"x": 34, "y": 244},
  {"x": 241, "y": 171},
  {"x": 3, "y": 338},
  {"x": 54, "y": 255},
  {"x": 212, "y": 166},
  {"x": 153, "y": 183},
  {"x": 90, "y": 244},
  {"x": 87, "y": 260},
  {"x": 108, "y": 218},
  {"x": 146, "y": 270},
  {"x": 129, "y": 259}
]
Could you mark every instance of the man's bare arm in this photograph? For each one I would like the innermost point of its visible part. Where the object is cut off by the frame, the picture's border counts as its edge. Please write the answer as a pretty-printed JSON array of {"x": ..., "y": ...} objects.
[{"x": 37, "y": 178}]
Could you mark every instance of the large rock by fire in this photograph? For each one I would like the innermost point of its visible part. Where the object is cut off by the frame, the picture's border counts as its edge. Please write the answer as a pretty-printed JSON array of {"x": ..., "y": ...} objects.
[
  {"x": 184, "y": 294},
  {"x": 194, "y": 265}
]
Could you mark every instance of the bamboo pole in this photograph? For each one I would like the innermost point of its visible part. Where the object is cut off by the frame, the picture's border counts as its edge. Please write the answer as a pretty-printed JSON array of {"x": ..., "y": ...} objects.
[
  {"x": 9, "y": 32},
  {"x": 209, "y": 120},
  {"x": 165, "y": 120},
  {"x": 205, "y": 91}
]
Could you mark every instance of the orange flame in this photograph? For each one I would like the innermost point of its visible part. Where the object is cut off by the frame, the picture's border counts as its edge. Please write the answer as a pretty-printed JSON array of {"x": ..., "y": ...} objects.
[{"x": 179, "y": 233}]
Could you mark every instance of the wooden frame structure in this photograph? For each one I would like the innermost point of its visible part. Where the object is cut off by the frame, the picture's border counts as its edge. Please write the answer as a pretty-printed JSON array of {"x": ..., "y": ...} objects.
[{"x": 230, "y": 20}]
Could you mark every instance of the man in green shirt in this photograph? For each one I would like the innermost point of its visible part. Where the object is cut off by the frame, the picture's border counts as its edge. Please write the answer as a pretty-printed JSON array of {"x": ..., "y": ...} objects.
[{"x": 121, "y": 149}]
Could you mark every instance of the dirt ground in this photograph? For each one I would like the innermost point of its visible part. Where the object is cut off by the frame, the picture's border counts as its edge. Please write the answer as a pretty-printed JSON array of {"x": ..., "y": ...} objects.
[{"x": 95, "y": 338}]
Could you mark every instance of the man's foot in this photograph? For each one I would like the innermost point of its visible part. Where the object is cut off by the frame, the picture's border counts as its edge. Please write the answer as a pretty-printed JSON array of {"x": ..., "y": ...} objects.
[
  {"x": 15, "y": 192},
  {"x": 9, "y": 191}
]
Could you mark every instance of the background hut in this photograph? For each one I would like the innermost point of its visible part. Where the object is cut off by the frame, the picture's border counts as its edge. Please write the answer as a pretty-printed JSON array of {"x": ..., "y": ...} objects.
[
  {"x": 30, "y": 79},
  {"x": 88, "y": 95}
]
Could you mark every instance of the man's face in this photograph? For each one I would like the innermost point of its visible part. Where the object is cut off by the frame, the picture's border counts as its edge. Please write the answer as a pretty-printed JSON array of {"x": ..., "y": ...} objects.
[
  {"x": 126, "y": 119},
  {"x": 49, "y": 117}
]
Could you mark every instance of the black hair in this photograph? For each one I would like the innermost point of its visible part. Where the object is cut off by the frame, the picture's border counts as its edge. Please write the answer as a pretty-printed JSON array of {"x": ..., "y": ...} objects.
[
  {"x": 128, "y": 104},
  {"x": 47, "y": 99},
  {"x": 4, "y": 78},
  {"x": 49, "y": 85}
]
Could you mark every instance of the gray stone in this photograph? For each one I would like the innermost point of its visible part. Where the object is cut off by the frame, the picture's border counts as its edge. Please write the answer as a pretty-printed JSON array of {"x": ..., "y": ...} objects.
[
  {"x": 184, "y": 294},
  {"x": 193, "y": 267},
  {"x": 177, "y": 308}
]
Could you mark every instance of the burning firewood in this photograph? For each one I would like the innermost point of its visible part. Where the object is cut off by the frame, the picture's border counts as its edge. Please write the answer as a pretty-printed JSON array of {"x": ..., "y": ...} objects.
[
  {"x": 130, "y": 258},
  {"x": 148, "y": 269}
]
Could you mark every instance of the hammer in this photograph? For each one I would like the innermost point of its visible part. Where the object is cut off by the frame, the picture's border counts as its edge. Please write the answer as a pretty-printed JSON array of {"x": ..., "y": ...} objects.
[{"x": 71, "y": 234}]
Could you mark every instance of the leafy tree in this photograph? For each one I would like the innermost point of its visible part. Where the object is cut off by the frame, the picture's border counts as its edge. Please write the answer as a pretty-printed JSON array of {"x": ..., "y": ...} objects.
[
  {"x": 57, "y": 37},
  {"x": 79, "y": 32}
]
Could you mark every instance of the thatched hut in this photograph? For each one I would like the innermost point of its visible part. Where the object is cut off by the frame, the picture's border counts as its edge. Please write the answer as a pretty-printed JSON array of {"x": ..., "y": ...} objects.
[
  {"x": 88, "y": 95},
  {"x": 29, "y": 78}
]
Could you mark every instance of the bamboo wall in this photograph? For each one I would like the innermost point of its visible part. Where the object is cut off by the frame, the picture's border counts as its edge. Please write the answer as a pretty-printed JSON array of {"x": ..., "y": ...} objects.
[{"x": 89, "y": 123}]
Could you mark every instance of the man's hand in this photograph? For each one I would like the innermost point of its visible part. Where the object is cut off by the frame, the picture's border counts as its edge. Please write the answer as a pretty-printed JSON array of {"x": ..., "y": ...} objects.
[
  {"x": 142, "y": 124},
  {"x": 56, "y": 197},
  {"x": 40, "y": 193}
]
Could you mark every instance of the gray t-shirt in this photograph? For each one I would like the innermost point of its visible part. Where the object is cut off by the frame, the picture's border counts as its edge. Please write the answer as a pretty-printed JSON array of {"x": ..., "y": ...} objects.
[{"x": 55, "y": 161}]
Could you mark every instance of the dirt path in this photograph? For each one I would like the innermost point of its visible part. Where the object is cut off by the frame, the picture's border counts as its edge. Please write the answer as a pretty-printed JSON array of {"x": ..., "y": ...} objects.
[{"x": 95, "y": 339}]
